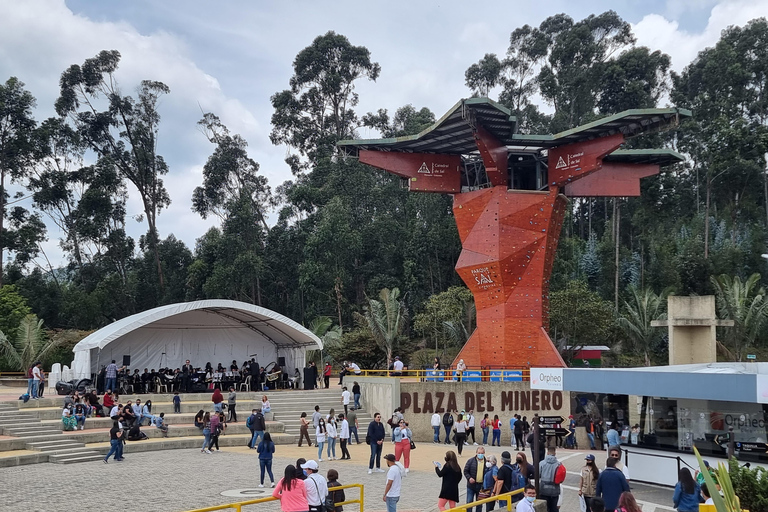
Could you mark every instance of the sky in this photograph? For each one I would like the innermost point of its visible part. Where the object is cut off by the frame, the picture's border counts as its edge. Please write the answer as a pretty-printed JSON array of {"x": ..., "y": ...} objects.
[{"x": 230, "y": 57}]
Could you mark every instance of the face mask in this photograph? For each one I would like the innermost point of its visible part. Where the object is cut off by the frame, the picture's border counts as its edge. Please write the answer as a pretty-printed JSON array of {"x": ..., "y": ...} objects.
[
  {"x": 480, "y": 456},
  {"x": 531, "y": 498},
  {"x": 305, "y": 473},
  {"x": 519, "y": 461},
  {"x": 488, "y": 464}
]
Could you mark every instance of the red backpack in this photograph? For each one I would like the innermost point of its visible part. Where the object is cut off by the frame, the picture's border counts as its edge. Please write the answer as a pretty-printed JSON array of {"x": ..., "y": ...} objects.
[{"x": 560, "y": 473}]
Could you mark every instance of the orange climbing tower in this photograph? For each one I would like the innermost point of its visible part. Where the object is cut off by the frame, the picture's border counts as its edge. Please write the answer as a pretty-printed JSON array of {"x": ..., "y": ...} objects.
[{"x": 509, "y": 203}]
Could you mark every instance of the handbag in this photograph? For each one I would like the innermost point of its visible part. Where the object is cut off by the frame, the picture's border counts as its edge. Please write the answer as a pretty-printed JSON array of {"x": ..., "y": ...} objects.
[
  {"x": 413, "y": 445},
  {"x": 484, "y": 493}
]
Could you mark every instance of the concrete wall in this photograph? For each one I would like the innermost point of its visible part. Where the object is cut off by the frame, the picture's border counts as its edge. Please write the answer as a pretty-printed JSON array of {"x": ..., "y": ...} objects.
[
  {"x": 379, "y": 394},
  {"x": 421, "y": 399},
  {"x": 692, "y": 332}
]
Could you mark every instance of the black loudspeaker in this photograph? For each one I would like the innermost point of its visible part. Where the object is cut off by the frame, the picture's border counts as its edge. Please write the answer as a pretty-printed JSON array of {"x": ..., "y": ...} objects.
[
  {"x": 281, "y": 361},
  {"x": 126, "y": 360}
]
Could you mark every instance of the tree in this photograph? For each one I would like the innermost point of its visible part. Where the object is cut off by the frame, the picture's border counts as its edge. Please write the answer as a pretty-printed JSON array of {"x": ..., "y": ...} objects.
[
  {"x": 387, "y": 319},
  {"x": 448, "y": 317},
  {"x": 637, "y": 78},
  {"x": 86, "y": 203},
  {"x": 527, "y": 47},
  {"x": 745, "y": 303},
  {"x": 13, "y": 309},
  {"x": 644, "y": 307},
  {"x": 20, "y": 231},
  {"x": 571, "y": 75},
  {"x": 124, "y": 134},
  {"x": 407, "y": 121},
  {"x": 29, "y": 344},
  {"x": 317, "y": 110},
  {"x": 484, "y": 75},
  {"x": 578, "y": 317}
]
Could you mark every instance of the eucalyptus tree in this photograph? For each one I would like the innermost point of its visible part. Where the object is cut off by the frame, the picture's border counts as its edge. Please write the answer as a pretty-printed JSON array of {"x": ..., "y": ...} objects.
[
  {"x": 122, "y": 130},
  {"x": 20, "y": 230},
  {"x": 318, "y": 109},
  {"x": 484, "y": 75}
]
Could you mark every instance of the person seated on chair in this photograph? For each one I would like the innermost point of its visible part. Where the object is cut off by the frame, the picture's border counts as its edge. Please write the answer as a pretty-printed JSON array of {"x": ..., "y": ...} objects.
[
  {"x": 262, "y": 378},
  {"x": 93, "y": 401},
  {"x": 233, "y": 367},
  {"x": 136, "y": 381},
  {"x": 159, "y": 422},
  {"x": 296, "y": 379},
  {"x": 146, "y": 380}
]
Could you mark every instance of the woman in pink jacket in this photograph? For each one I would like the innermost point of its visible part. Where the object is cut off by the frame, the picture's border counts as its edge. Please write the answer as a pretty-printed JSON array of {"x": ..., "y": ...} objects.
[{"x": 291, "y": 492}]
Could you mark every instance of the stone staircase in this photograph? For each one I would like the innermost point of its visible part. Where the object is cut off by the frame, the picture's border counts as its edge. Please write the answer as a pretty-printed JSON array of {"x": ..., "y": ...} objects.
[
  {"x": 288, "y": 406},
  {"x": 42, "y": 438}
]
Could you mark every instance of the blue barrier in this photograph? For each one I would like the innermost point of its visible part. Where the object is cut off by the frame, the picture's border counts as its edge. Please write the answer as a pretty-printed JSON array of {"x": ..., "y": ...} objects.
[
  {"x": 472, "y": 376},
  {"x": 506, "y": 375},
  {"x": 435, "y": 376}
]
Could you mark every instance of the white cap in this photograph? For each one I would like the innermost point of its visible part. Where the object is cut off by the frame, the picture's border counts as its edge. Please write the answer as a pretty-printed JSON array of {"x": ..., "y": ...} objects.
[{"x": 310, "y": 464}]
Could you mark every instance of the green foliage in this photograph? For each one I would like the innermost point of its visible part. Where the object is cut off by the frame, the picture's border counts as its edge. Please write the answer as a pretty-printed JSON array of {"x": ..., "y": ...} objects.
[
  {"x": 30, "y": 344},
  {"x": 484, "y": 75},
  {"x": 13, "y": 309},
  {"x": 750, "y": 485},
  {"x": 447, "y": 319},
  {"x": 578, "y": 317},
  {"x": 635, "y": 319},
  {"x": 358, "y": 345},
  {"x": 387, "y": 319},
  {"x": 744, "y": 303}
]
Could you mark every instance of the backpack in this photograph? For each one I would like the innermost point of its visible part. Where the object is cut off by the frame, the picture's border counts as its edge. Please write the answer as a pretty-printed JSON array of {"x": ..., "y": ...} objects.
[
  {"x": 518, "y": 479},
  {"x": 483, "y": 423},
  {"x": 560, "y": 473},
  {"x": 448, "y": 419},
  {"x": 249, "y": 422}
]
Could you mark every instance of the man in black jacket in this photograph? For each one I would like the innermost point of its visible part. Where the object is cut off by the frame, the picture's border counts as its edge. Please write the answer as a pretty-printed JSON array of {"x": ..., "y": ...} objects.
[
  {"x": 448, "y": 424},
  {"x": 474, "y": 470},
  {"x": 375, "y": 437}
]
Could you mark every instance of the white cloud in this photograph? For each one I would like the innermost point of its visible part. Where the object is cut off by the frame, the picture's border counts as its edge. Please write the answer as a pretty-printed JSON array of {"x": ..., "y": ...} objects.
[{"x": 660, "y": 33}]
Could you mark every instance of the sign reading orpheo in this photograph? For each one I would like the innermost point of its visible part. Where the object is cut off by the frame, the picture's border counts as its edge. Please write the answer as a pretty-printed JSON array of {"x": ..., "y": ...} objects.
[{"x": 547, "y": 378}]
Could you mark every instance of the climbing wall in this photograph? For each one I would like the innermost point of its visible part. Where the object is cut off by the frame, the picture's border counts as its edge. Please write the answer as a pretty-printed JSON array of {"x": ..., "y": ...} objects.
[{"x": 509, "y": 239}]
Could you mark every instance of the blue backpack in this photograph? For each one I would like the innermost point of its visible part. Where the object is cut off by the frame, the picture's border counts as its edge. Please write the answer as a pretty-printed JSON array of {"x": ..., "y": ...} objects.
[
  {"x": 518, "y": 479},
  {"x": 249, "y": 422}
]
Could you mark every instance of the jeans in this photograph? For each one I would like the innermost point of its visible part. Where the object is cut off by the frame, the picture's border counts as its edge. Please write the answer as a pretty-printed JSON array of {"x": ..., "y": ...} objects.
[
  {"x": 357, "y": 400},
  {"x": 320, "y": 445},
  {"x": 266, "y": 464},
  {"x": 207, "y": 441},
  {"x": 392, "y": 503},
  {"x": 472, "y": 496},
  {"x": 30, "y": 383},
  {"x": 114, "y": 450},
  {"x": 591, "y": 437},
  {"x": 35, "y": 387},
  {"x": 176, "y": 407},
  {"x": 570, "y": 440},
  {"x": 485, "y": 435},
  {"x": 256, "y": 435},
  {"x": 551, "y": 502},
  {"x": 331, "y": 447},
  {"x": 496, "y": 437},
  {"x": 353, "y": 432},
  {"x": 120, "y": 446},
  {"x": 41, "y": 389},
  {"x": 375, "y": 455},
  {"x": 437, "y": 434},
  {"x": 218, "y": 407},
  {"x": 232, "y": 412},
  {"x": 447, "y": 434},
  {"x": 80, "y": 418},
  {"x": 110, "y": 383}
]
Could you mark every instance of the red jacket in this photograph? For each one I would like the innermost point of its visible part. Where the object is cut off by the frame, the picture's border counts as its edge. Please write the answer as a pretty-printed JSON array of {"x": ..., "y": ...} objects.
[
  {"x": 108, "y": 401},
  {"x": 327, "y": 371}
]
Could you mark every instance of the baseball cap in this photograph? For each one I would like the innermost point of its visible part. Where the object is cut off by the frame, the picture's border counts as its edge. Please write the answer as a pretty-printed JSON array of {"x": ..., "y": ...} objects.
[
  {"x": 310, "y": 464},
  {"x": 389, "y": 457},
  {"x": 590, "y": 457}
]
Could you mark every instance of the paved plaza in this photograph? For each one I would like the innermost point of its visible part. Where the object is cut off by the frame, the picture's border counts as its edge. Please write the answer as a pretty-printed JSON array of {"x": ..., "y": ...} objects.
[{"x": 179, "y": 480}]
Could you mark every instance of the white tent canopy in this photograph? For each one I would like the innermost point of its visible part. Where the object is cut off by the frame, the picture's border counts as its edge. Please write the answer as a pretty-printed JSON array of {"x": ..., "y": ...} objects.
[{"x": 215, "y": 331}]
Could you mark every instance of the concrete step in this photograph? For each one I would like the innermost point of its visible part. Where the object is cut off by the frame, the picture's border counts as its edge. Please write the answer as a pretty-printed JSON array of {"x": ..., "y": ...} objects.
[
  {"x": 64, "y": 448},
  {"x": 72, "y": 458},
  {"x": 32, "y": 433},
  {"x": 54, "y": 445}
]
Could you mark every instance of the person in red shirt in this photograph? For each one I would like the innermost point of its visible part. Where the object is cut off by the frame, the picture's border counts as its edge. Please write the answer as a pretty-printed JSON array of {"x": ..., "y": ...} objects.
[
  {"x": 108, "y": 400},
  {"x": 327, "y": 375}
]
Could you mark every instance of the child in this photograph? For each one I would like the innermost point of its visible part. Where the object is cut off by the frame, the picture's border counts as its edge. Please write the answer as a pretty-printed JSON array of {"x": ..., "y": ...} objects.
[
  {"x": 336, "y": 496},
  {"x": 160, "y": 424},
  {"x": 526, "y": 505},
  {"x": 176, "y": 403}
]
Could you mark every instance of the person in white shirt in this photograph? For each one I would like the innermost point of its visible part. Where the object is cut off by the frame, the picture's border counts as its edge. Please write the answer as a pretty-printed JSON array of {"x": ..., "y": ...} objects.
[
  {"x": 344, "y": 436},
  {"x": 471, "y": 427},
  {"x": 397, "y": 367},
  {"x": 114, "y": 411},
  {"x": 355, "y": 368},
  {"x": 37, "y": 377},
  {"x": 526, "y": 504},
  {"x": 345, "y": 396},
  {"x": 394, "y": 480},
  {"x": 316, "y": 486},
  {"x": 331, "y": 437},
  {"x": 436, "y": 422}
]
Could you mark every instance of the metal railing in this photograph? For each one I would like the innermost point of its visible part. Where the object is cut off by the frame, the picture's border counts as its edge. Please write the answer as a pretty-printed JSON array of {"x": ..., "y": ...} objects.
[
  {"x": 238, "y": 506},
  {"x": 452, "y": 375},
  {"x": 501, "y": 497}
]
